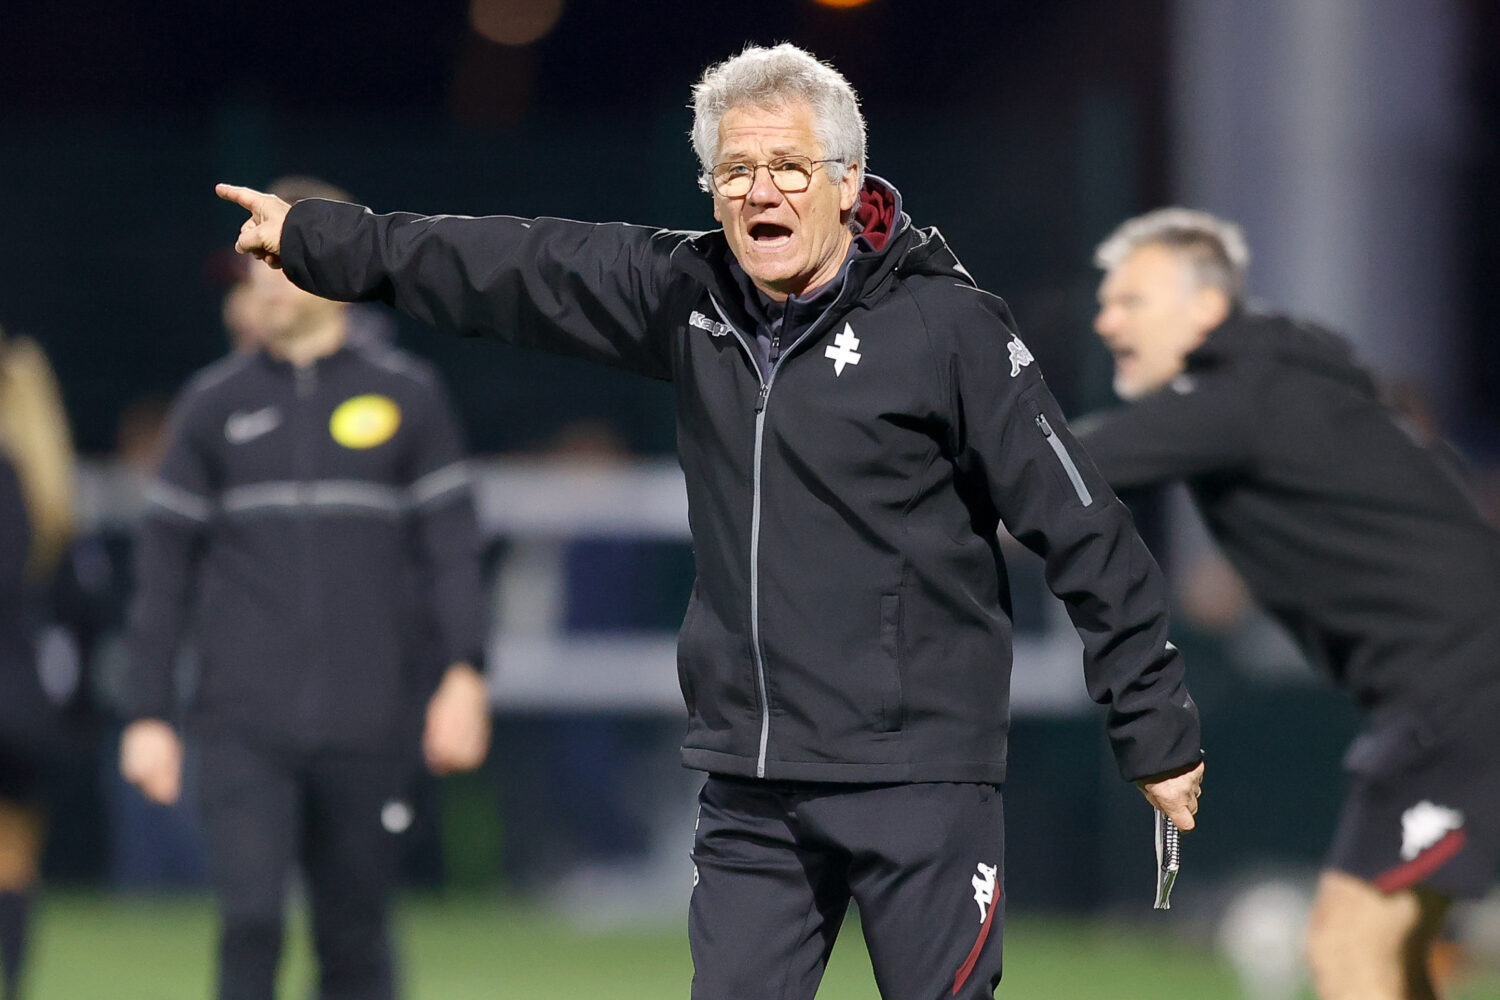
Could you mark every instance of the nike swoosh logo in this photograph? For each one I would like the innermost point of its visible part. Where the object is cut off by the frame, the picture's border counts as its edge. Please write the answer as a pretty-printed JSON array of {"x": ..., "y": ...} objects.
[{"x": 242, "y": 427}]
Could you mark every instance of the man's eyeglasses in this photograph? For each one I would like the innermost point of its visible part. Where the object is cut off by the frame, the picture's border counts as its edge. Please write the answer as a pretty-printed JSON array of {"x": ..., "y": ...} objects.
[{"x": 790, "y": 174}]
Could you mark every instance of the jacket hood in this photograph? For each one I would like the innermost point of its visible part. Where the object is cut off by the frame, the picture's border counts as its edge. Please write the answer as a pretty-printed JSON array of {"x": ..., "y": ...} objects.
[
  {"x": 1281, "y": 340},
  {"x": 902, "y": 247}
]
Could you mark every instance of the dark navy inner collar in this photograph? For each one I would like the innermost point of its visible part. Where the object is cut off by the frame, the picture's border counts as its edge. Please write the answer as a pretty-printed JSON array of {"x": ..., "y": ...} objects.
[{"x": 767, "y": 312}]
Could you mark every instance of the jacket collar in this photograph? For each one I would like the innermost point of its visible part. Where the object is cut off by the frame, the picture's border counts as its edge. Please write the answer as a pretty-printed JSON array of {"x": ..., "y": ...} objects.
[
  {"x": 868, "y": 275},
  {"x": 885, "y": 236}
]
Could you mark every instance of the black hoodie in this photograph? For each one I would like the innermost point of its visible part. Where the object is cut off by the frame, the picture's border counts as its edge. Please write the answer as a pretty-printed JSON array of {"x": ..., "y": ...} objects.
[
  {"x": 1348, "y": 529},
  {"x": 850, "y": 618}
]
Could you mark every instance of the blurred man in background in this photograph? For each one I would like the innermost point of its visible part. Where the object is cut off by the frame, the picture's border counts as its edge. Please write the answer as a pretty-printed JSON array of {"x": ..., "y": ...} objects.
[
  {"x": 1352, "y": 530},
  {"x": 311, "y": 525},
  {"x": 855, "y": 418}
]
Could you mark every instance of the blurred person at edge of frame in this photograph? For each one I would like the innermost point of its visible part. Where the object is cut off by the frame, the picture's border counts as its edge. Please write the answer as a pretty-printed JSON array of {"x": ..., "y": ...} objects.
[
  {"x": 36, "y": 525},
  {"x": 312, "y": 524},
  {"x": 1352, "y": 528},
  {"x": 855, "y": 418}
]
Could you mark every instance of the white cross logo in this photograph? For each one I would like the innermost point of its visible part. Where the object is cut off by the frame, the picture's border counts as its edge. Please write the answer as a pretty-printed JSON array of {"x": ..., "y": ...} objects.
[{"x": 844, "y": 350}]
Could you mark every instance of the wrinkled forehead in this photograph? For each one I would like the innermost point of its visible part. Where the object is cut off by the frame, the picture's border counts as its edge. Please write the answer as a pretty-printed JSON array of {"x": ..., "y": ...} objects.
[{"x": 781, "y": 127}]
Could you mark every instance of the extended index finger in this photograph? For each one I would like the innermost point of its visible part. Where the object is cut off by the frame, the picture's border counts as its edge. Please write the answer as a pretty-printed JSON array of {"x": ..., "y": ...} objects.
[{"x": 247, "y": 198}]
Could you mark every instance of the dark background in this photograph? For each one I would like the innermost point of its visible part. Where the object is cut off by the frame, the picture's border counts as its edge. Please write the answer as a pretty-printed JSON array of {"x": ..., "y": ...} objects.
[{"x": 1022, "y": 130}]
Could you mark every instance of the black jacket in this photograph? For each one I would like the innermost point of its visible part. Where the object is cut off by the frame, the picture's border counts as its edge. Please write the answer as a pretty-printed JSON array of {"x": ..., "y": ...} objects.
[
  {"x": 1352, "y": 532},
  {"x": 849, "y": 621},
  {"x": 314, "y": 526}
]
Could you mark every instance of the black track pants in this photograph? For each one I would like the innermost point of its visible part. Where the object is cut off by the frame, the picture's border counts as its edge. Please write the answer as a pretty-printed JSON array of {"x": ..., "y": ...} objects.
[
  {"x": 775, "y": 865},
  {"x": 266, "y": 811}
]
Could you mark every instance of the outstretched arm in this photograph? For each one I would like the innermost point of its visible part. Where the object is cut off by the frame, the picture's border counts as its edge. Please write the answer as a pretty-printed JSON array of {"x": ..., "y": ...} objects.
[
  {"x": 260, "y": 236},
  {"x": 589, "y": 290},
  {"x": 1198, "y": 425}
]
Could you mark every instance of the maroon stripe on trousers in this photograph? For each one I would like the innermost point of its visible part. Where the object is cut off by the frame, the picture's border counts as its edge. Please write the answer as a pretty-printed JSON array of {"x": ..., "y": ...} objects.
[
  {"x": 1406, "y": 875},
  {"x": 962, "y": 975}
]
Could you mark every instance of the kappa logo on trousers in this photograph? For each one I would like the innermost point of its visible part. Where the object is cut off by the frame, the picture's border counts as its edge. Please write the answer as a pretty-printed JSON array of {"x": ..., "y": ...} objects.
[{"x": 984, "y": 888}]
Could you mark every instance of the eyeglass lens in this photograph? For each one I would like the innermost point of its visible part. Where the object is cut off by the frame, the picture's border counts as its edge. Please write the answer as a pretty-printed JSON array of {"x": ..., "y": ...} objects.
[{"x": 790, "y": 175}]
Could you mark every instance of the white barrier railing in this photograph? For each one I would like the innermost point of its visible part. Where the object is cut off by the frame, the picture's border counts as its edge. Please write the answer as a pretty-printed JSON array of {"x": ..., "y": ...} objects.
[{"x": 539, "y": 506}]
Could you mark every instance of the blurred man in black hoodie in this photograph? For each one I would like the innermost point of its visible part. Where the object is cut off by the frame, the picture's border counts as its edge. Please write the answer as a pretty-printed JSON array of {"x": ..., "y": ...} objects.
[{"x": 1353, "y": 533}]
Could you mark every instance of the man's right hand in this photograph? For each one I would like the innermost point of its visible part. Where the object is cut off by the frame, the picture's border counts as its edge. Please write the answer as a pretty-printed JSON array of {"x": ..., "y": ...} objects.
[
  {"x": 1176, "y": 794},
  {"x": 151, "y": 759},
  {"x": 260, "y": 236}
]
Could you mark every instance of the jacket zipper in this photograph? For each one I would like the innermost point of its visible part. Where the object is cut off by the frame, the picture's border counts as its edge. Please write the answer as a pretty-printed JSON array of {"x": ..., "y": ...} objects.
[
  {"x": 760, "y": 661},
  {"x": 760, "y": 429},
  {"x": 1061, "y": 451}
]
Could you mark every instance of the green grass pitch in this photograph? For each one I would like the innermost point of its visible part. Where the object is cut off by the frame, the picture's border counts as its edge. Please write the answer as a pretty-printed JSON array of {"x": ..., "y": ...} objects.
[{"x": 456, "y": 947}]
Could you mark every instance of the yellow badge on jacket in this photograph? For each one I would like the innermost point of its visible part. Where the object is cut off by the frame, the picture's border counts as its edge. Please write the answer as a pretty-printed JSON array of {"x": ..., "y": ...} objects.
[{"x": 365, "y": 421}]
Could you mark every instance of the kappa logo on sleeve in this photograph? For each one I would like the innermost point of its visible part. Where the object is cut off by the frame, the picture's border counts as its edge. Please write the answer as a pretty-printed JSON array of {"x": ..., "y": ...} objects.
[
  {"x": 1020, "y": 355},
  {"x": 702, "y": 322}
]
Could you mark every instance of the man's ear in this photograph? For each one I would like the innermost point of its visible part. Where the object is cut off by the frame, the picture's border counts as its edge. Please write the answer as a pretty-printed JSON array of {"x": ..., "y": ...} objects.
[
  {"x": 1210, "y": 308},
  {"x": 849, "y": 188}
]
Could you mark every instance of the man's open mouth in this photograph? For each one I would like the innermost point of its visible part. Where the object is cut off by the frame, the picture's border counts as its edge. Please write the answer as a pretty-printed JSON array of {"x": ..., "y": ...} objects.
[{"x": 768, "y": 232}]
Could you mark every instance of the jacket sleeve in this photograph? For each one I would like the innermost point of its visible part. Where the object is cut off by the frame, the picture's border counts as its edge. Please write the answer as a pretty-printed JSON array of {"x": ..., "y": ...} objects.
[
  {"x": 1197, "y": 425},
  {"x": 446, "y": 536},
  {"x": 1010, "y": 434},
  {"x": 179, "y": 505},
  {"x": 576, "y": 288}
]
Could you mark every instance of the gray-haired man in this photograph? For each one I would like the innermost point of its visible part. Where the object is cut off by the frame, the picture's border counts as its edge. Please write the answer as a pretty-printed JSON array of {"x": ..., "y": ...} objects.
[
  {"x": 1355, "y": 535},
  {"x": 855, "y": 419}
]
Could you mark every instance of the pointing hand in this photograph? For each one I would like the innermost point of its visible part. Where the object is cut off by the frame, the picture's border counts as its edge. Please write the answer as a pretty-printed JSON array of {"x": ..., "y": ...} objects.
[{"x": 260, "y": 236}]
